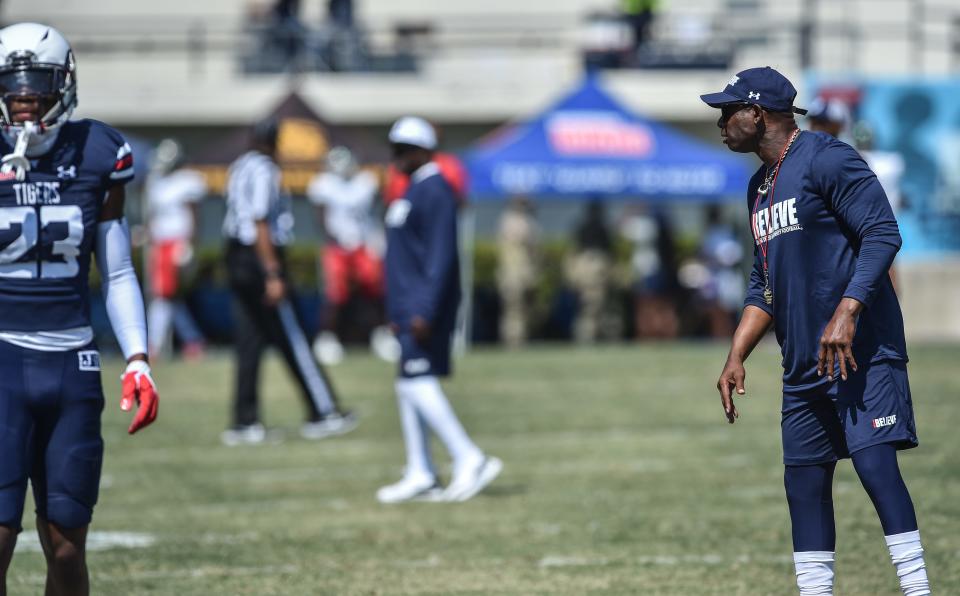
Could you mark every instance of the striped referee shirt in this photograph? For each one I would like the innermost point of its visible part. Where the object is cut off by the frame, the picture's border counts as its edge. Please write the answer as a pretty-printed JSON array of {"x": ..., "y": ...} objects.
[{"x": 253, "y": 194}]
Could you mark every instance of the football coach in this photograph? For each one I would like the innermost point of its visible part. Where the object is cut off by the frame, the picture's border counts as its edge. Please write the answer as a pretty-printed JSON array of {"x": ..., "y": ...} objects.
[{"x": 824, "y": 239}]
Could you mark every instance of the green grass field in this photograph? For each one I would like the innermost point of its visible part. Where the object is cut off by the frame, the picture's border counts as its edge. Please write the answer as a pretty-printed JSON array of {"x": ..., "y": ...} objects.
[{"x": 622, "y": 477}]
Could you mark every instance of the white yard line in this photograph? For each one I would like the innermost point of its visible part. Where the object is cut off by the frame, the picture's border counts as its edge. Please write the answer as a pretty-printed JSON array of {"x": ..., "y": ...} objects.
[
  {"x": 553, "y": 561},
  {"x": 570, "y": 561},
  {"x": 96, "y": 541}
]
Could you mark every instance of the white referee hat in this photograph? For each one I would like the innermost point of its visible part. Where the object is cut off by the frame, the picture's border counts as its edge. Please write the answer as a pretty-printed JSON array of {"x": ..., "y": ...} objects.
[{"x": 411, "y": 130}]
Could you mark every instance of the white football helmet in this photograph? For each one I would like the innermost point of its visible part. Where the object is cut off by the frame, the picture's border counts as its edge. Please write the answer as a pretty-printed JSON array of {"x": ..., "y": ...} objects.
[
  {"x": 341, "y": 162},
  {"x": 36, "y": 60},
  {"x": 166, "y": 157}
]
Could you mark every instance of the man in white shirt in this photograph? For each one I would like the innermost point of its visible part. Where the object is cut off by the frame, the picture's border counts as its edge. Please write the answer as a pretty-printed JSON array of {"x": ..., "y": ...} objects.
[
  {"x": 172, "y": 195},
  {"x": 353, "y": 247},
  {"x": 887, "y": 165}
]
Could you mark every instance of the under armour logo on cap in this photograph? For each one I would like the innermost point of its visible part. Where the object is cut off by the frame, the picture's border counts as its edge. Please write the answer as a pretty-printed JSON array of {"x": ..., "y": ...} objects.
[{"x": 769, "y": 89}]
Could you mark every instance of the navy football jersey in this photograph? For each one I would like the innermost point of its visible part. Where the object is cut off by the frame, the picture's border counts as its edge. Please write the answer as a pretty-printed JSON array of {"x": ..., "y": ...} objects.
[
  {"x": 422, "y": 268},
  {"x": 48, "y": 226},
  {"x": 829, "y": 233}
]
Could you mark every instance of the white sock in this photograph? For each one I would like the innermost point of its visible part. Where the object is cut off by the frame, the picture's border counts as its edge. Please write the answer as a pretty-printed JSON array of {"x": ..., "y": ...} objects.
[
  {"x": 415, "y": 439},
  {"x": 814, "y": 572},
  {"x": 160, "y": 315},
  {"x": 432, "y": 405},
  {"x": 907, "y": 556}
]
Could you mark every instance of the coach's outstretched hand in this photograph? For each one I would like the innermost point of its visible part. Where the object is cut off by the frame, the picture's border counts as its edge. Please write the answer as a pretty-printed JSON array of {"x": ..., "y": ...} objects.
[
  {"x": 836, "y": 343},
  {"x": 137, "y": 386},
  {"x": 731, "y": 379}
]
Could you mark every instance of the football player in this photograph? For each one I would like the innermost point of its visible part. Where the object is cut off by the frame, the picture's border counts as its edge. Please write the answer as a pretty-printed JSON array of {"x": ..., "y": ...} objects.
[
  {"x": 423, "y": 295},
  {"x": 61, "y": 201}
]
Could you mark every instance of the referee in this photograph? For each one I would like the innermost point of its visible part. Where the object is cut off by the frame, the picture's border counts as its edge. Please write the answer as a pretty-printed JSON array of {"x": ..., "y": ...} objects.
[{"x": 257, "y": 227}]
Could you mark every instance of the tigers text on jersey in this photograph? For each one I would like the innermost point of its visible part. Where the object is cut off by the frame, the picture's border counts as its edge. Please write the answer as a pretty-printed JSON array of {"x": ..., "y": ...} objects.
[
  {"x": 48, "y": 226},
  {"x": 829, "y": 233}
]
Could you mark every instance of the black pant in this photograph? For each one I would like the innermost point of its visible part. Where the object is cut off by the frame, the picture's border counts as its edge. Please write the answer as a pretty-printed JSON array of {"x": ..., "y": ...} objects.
[{"x": 255, "y": 326}]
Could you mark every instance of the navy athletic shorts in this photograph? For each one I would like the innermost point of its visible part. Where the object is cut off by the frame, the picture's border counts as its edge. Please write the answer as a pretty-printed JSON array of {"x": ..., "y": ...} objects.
[
  {"x": 430, "y": 359},
  {"x": 50, "y": 406},
  {"x": 871, "y": 407}
]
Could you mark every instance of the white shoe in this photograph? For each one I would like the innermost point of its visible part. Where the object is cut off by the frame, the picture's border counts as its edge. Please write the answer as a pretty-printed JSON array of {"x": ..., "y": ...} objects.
[
  {"x": 328, "y": 349},
  {"x": 411, "y": 489},
  {"x": 250, "y": 434},
  {"x": 472, "y": 479},
  {"x": 384, "y": 344},
  {"x": 331, "y": 425}
]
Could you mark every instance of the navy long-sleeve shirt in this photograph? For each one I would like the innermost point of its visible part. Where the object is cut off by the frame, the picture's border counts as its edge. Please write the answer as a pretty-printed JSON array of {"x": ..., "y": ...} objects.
[
  {"x": 423, "y": 271},
  {"x": 830, "y": 234}
]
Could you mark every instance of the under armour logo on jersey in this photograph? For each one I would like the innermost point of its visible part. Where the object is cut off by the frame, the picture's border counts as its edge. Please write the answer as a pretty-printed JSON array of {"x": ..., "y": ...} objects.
[
  {"x": 753, "y": 95},
  {"x": 397, "y": 213},
  {"x": 733, "y": 80},
  {"x": 70, "y": 172},
  {"x": 89, "y": 360}
]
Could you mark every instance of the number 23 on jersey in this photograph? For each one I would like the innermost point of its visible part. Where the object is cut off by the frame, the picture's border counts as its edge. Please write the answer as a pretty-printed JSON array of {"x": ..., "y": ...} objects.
[{"x": 41, "y": 241}]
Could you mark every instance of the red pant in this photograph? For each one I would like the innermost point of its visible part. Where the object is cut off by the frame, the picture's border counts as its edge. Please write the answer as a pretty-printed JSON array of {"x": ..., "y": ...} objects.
[
  {"x": 341, "y": 267},
  {"x": 164, "y": 268}
]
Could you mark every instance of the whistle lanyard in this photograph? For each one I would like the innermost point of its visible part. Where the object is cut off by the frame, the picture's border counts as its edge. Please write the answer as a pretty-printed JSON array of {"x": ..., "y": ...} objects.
[{"x": 768, "y": 187}]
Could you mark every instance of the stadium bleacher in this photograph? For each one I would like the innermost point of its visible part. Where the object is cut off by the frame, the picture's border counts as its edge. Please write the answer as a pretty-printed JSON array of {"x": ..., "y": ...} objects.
[{"x": 473, "y": 65}]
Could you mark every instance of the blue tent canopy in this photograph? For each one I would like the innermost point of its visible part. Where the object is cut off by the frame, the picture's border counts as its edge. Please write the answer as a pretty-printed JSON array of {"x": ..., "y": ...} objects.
[{"x": 589, "y": 145}]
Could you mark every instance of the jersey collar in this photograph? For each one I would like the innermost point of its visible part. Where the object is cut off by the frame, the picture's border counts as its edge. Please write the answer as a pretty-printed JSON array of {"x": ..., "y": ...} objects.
[{"x": 425, "y": 171}]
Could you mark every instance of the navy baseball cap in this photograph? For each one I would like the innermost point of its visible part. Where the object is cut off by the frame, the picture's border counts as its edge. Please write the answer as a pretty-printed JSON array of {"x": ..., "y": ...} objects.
[{"x": 763, "y": 86}]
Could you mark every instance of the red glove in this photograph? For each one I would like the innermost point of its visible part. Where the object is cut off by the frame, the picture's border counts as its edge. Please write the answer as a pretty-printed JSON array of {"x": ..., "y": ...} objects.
[{"x": 137, "y": 385}]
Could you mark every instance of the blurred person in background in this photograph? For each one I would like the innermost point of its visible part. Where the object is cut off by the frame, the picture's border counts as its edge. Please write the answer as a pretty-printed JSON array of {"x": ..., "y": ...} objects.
[
  {"x": 589, "y": 270},
  {"x": 340, "y": 13},
  {"x": 423, "y": 297},
  {"x": 639, "y": 14},
  {"x": 654, "y": 269},
  {"x": 258, "y": 226},
  {"x": 345, "y": 197},
  {"x": 62, "y": 202},
  {"x": 287, "y": 30},
  {"x": 889, "y": 168},
  {"x": 887, "y": 165},
  {"x": 722, "y": 255},
  {"x": 831, "y": 116},
  {"x": 172, "y": 195},
  {"x": 824, "y": 237},
  {"x": 518, "y": 240}
]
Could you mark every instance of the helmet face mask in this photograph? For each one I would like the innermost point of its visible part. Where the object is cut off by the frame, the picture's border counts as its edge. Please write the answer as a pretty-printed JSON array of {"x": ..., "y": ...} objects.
[{"x": 46, "y": 83}]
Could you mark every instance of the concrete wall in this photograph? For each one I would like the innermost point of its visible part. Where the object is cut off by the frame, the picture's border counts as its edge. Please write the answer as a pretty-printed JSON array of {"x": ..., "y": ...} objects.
[{"x": 929, "y": 294}]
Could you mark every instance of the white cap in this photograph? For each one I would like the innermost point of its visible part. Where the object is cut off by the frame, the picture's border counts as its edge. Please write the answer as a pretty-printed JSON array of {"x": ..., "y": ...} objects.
[
  {"x": 831, "y": 110},
  {"x": 411, "y": 130}
]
